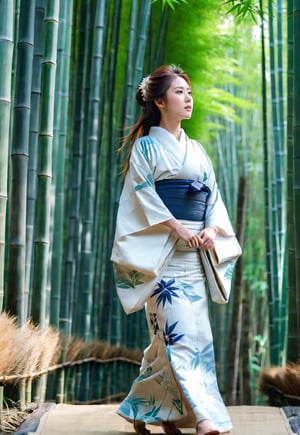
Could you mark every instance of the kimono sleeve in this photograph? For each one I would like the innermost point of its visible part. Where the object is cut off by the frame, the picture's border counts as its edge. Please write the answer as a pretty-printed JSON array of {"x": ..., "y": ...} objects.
[
  {"x": 142, "y": 246},
  {"x": 140, "y": 207},
  {"x": 216, "y": 213}
]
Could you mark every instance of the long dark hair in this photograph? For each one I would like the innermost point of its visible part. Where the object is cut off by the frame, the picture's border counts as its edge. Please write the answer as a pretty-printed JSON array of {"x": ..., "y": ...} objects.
[{"x": 153, "y": 87}]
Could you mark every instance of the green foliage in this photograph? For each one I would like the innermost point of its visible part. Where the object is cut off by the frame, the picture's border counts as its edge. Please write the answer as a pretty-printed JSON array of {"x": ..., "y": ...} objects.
[
  {"x": 244, "y": 8},
  {"x": 200, "y": 48},
  {"x": 171, "y": 3}
]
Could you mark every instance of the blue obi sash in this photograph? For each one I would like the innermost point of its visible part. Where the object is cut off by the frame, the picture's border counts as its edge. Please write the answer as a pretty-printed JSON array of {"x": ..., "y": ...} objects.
[{"x": 186, "y": 199}]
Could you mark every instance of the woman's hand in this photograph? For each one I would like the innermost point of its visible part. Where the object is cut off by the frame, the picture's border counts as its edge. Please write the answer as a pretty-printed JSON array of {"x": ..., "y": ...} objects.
[
  {"x": 191, "y": 239},
  {"x": 208, "y": 236},
  {"x": 203, "y": 240}
]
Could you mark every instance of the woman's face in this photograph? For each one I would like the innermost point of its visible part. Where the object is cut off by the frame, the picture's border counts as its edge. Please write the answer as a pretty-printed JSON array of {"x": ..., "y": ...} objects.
[{"x": 178, "y": 103}]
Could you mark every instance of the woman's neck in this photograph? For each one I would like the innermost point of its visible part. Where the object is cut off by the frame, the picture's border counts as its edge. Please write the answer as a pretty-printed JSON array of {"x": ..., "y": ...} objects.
[{"x": 175, "y": 129}]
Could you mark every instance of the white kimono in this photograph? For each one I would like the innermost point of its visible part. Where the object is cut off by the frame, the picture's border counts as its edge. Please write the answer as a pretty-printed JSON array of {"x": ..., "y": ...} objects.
[{"x": 177, "y": 379}]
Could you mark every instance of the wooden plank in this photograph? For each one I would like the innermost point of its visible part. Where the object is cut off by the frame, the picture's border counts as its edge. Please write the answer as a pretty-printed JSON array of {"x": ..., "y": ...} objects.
[{"x": 103, "y": 420}]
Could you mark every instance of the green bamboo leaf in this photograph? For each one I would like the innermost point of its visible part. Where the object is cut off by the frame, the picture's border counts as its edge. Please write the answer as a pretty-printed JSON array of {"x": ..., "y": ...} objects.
[{"x": 171, "y": 3}]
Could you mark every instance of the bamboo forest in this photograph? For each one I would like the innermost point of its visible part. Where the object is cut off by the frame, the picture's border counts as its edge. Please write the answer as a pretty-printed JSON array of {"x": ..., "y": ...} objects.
[{"x": 69, "y": 72}]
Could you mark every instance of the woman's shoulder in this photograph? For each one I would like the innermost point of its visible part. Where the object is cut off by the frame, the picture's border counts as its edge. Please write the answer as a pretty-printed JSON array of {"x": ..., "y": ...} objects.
[
  {"x": 147, "y": 147},
  {"x": 145, "y": 140}
]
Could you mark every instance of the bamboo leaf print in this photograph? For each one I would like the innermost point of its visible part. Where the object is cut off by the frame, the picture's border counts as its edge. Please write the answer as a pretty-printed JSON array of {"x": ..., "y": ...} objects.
[
  {"x": 195, "y": 359},
  {"x": 178, "y": 405},
  {"x": 152, "y": 414},
  {"x": 166, "y": 291},
  {"x": 134, "y": 279},
  {"x": 229, "y": 271},
  {"x": 146, "y": 374},
  {"x": 207, "y": 358},
  {"x": 170, "y": 337},
  {"x": 147, "y": 183},
  {"x": 205, "y": 176},
  {"x": 151, "y": 400},
  {"x": 146, "y": 144},
  {"x": 132, "y": 403},
  {"x": 154, "y": 322},
  {"x": 187, "y": 292}
]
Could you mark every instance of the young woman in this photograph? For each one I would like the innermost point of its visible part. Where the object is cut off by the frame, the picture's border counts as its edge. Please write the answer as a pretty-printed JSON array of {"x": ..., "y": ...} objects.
[{"x": 170, "y": 207}]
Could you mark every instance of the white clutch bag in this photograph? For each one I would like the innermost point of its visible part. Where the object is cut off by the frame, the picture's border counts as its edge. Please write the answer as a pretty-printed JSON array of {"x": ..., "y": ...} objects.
[{"x": 218, "y": 264}]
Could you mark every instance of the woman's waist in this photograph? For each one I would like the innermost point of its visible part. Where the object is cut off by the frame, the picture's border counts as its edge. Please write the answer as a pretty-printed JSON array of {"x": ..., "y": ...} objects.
[{"x": 185, "y": 198}]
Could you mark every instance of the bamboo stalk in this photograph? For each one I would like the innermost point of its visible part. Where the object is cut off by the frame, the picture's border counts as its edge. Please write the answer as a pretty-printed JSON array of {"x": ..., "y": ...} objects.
[
  {"x": 19, "y": 167},
  {"x": 44, "y": 200},
  {"x": 277, "y": 238},
  {"x": 129, "y": 76},
  {"x": 235, "y": 334},
  {"x": 107, "y": 170},
  {"x": 296, "y": 154},
  {"x": 33, "y": 151},
  {"x": 59, "y": 147},
  {"x": 87, "y": 258},
  {"x": 6, "y": 53},
  {"x": 73, "y": 245},
  {"x": 292, "y": 350}
]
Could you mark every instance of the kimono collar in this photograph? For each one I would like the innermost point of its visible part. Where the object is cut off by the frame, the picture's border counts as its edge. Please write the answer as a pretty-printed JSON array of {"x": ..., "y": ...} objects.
[
  {"x": 161, "y": 134},
  {"x": 172, "y": 146}
]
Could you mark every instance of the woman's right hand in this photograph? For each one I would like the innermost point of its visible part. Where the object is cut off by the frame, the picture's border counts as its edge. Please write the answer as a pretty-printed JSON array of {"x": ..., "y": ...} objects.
[{"x": 191, "y": 239}]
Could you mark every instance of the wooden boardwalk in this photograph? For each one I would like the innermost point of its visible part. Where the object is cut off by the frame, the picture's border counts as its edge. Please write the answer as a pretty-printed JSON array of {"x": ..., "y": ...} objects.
[{"x": 103, "y": 420}]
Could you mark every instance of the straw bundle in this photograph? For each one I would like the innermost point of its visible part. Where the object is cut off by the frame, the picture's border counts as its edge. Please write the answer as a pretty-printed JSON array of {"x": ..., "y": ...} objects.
[
  {"x": 78, "y": 349},
  {"x": 281, "y": 384},
  {"x": 75, "y": 349},
  {"x": 28, "y": 351},
  {"x": 8, "y": 352},
  {"x": 25, "y": 349}
]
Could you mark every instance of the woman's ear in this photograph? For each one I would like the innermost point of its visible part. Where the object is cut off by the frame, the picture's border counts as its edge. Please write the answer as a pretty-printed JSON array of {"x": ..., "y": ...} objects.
[{"x": 159, "y": 102}]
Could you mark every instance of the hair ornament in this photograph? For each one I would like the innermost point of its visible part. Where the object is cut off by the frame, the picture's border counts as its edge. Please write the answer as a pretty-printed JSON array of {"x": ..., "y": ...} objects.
[{"x": 143, "y": 87}]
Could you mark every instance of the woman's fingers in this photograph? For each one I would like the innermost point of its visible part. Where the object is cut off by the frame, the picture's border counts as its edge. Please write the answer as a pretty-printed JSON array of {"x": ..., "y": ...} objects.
[{"x": 195, "y": 241}]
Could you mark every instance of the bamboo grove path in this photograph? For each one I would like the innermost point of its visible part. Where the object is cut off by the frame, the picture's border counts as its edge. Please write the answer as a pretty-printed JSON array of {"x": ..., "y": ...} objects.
[{"x": 103, "y": 420}]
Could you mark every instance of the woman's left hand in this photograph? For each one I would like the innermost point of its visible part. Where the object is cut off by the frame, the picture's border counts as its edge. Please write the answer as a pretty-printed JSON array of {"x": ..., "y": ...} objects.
[{"x": 208, "y": 236}]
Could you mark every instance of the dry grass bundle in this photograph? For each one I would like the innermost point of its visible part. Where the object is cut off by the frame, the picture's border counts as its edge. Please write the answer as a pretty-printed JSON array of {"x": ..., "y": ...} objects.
[
  {"x": 28, "y": 342},
  {"x": 8, "y": 351},
  {"x": 74, "y": 349},
  {"x": 125, "y": 353},
  {"x": 281, "y": 385},
  {"x": 36, "y": 348},
  {"x": 12, "y": 418},
  {"x": 26, "y": 349},
  {"x": 100, "y": 350},
  {"x": 50, "y": 348},
  {"x": 131, "y": 354}
]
